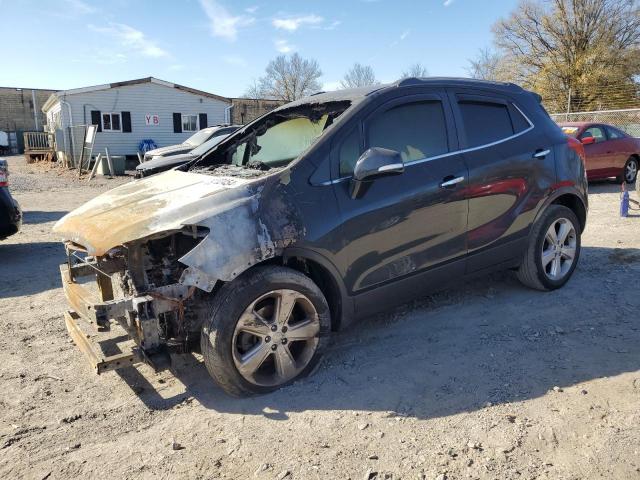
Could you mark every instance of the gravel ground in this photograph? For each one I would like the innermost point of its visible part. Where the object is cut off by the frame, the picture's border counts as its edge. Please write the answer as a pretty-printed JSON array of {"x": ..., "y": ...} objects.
[{"x": 489, "y": 380}]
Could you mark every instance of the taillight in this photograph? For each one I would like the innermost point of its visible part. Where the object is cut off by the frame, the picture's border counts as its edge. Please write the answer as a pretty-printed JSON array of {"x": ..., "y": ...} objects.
[
  {"x": 576, "y": 146},
  {"x": 4, "y": 174}
]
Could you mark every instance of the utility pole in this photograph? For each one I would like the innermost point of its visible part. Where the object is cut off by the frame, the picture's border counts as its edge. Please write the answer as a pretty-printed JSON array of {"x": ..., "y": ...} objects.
[{"x": 568, "y": 105}]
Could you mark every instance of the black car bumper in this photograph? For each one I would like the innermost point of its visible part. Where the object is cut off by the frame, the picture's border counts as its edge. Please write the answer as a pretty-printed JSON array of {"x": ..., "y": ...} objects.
[{"x": 10, "y": 214}]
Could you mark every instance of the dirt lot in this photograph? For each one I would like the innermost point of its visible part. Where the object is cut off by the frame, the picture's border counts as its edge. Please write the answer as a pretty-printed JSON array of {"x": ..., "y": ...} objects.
[{"x": 489, "y": 380}]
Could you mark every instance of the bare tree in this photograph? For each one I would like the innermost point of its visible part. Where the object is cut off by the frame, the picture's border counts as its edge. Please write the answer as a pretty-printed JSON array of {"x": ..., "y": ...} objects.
[
  {"x": 253, "y": 91},
  {"x": 572, "y": 48},
  {"x": 416, "y": 70},
  {"x": 359, "y": 76},
  {"x": 288, "y": 78},
  {"x": 486, "y": 65}
]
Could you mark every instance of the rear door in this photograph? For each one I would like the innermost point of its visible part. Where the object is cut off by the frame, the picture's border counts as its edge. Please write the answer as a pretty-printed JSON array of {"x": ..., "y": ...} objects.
[
  {"x": 617, "y": 150},
  {"x": 409, "y": 224},
  {"x": 511, "y": 169}
]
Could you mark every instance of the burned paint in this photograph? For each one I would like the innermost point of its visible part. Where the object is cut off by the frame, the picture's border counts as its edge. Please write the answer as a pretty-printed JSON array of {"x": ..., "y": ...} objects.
[{"x": 241, "y": 231}]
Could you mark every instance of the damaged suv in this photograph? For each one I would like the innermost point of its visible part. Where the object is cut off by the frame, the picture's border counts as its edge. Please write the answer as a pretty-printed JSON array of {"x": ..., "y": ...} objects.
[{"x": 326, "y": 209}]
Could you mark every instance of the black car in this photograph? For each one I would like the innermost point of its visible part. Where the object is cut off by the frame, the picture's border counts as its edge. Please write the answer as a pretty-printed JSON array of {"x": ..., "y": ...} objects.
[
  {"x": 10, "y": 214},
  {"x": 328, "y": 209},
  {"x": 164, "y": 163}
]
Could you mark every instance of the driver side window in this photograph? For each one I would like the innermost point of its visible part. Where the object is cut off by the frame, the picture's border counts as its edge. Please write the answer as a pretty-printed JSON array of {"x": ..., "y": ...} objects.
[{"x": 595, "y": 132}]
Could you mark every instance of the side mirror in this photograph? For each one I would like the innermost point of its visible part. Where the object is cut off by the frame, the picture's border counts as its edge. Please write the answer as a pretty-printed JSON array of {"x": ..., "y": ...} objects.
[
  {"x": 588, "y": 140},
  {"x": 374, "y": 163}
]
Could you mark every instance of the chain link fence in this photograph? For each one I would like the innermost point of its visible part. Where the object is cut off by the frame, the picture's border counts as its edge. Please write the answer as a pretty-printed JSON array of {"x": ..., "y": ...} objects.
[{"x": 627, "y": 120}]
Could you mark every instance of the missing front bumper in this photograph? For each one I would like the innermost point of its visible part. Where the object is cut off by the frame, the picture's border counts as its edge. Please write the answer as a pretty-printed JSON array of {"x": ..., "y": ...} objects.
[
  {"x": 98, "y": 361},
  {"x": 90, "y": 319}
]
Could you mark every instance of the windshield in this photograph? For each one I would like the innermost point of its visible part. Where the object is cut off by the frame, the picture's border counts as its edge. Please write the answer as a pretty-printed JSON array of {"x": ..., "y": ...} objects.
[
  {"x": 208, "y": 145},
  {"x": 199, "y": 137},
  {"x": 569, "y": 130},
  {"x": 277, "y": 138}
]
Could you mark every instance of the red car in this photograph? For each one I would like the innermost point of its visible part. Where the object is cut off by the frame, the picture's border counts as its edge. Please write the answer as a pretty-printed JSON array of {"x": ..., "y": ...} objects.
[{"x": 610, "y": 151}]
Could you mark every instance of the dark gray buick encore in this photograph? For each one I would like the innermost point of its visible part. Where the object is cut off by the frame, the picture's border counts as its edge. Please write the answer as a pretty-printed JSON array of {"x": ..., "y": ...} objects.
[{"x": 327, "y": 209}]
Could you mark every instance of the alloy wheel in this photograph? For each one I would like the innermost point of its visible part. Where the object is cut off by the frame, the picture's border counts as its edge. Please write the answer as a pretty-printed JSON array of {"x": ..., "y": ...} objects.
[
  {"x": 275, "y": 337},
  {"x": 559, "y": 249},
  {"x": 631, "y": 171}
]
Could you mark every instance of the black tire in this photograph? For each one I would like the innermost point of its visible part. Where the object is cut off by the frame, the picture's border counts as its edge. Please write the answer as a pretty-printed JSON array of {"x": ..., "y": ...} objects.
[
  {"x": 228, "y": 305},
  {"x": 622, "y": 177},
  {"x": 531, "y": 272}
]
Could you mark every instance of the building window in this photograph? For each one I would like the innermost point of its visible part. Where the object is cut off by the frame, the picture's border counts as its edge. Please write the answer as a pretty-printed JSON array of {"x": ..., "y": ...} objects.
[
  {"x": 189, "y": 123},
  {"x": 111, "y": 122}
]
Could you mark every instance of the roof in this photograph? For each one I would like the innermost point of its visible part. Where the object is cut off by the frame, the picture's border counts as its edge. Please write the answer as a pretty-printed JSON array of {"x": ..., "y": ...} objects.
[
  {"x": 106, "y": 86},
  {"x": 355, "y": 95},
  {"x": 574, "y": 124}
]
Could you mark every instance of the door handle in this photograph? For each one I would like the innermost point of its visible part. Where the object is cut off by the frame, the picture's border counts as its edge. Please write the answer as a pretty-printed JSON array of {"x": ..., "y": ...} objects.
[
  {"x": 451, "y": 181},
  {"x": 541, "y": 153}
]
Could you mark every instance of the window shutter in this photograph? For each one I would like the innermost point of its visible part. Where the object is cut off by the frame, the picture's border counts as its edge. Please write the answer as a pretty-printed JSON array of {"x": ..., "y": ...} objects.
[
  {"x": 126, "y": 122},
  {"x": 96, "y": 120},
  {"x": 177, "y": 123},
  {"x": 202, "y": 120}
]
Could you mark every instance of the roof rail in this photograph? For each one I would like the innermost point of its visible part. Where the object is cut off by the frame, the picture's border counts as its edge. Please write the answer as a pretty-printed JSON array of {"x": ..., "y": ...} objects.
[{"x": 409, "y": 81}]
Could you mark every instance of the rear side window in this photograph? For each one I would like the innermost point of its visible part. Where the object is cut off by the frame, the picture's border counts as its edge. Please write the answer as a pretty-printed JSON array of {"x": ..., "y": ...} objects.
[
  {"x": 415, "y": 130},
  {"x": 485, "y": 122},
  {"x": 614, "y": 133},
  {"x": 520, "y": 123}
]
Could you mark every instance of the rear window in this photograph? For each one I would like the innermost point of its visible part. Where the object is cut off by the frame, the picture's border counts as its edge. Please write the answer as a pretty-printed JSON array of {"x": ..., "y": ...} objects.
[{"x": 485, "y": 122}]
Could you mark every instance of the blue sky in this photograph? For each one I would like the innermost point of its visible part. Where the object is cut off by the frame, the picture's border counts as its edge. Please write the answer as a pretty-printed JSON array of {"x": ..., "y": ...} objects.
[{"x": 222, "y": 45}]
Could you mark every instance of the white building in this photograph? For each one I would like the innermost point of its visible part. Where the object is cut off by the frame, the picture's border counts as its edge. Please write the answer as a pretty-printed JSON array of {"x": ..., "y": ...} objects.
[{"x": 126, "y": 113}]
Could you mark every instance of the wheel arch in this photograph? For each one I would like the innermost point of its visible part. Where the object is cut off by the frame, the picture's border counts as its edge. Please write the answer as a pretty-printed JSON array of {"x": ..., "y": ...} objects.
[
  {"x": 571, "y": 199},
  {"x": 324, "y": 274}
]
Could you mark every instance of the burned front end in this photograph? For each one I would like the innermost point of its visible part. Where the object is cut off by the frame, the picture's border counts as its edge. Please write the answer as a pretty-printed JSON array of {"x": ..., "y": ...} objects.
[{"x": 138, "y": 288}]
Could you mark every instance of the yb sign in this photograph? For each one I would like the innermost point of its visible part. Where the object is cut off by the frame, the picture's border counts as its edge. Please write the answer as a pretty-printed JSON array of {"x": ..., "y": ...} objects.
[{"x": 153, "y": 120}]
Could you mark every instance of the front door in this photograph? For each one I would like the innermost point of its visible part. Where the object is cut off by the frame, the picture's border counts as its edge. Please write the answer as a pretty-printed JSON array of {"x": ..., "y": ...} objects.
[
  {"x": 409, "y": 224},
  {"x": 598, "y": 156}
]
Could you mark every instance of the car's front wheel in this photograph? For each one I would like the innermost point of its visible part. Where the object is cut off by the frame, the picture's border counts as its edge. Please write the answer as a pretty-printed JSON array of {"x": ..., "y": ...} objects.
[
  {"x": 553, "y": 251},
  {"x": 264, "y": 330}
]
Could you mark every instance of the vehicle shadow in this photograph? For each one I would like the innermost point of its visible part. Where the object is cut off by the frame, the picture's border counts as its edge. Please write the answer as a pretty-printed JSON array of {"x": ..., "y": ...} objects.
[
  {"x": 34, "y": 217},
  {"x": 608, "y": 186},
  {"x": 19, "y": 278},
  {"x": 490, "y": 340}
]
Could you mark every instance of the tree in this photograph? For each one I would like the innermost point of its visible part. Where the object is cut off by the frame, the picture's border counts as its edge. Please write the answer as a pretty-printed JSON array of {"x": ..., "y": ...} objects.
[
  {"x": 588, "y": 50},
  {"x": 253, "y": 91},
  {"x": 359, "y": 76},
  {"x": 416, "y": 70},
  {"x": 287, "y": 78},
  {"x": 486, "y": 66}
]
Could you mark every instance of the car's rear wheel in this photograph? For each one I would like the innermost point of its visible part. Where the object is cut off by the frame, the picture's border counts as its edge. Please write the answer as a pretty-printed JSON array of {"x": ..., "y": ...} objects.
[
  {"x": 553, "y": 251},
  {"x": 264, "y": 330},
  {"x": 630, "y": 171}
]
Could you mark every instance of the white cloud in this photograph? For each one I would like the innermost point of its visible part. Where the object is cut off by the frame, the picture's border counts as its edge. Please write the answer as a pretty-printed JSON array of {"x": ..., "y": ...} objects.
[
  {"x": 132, "y": 39},
  {"x": 235, "y": 60},
  {"x": 252, "y": 9},
  {"x": 79, "y": 7},
  {"x": 447, "y": 2},
  {"x": 291, "y": 24},
  {"x": 283, "y": 46},
  {"x": 335, "y": 24},
  {"x": 224, "y": 24}
]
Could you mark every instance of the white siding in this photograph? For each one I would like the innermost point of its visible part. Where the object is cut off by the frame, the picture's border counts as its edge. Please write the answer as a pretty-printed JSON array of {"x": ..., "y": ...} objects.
[{"x": 139, "y": 100}]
